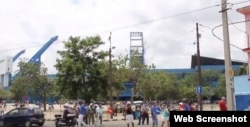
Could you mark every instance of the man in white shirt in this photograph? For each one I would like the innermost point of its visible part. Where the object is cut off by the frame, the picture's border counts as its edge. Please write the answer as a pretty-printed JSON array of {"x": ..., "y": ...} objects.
[
  {"x": 99, "y": 112},
  {"x": 133, "y": 107}
]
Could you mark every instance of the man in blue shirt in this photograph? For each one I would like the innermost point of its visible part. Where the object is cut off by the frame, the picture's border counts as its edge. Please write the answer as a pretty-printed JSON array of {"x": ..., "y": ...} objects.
[
  {"x": 82, "y": 112},
  {"x": 154, "y": 115},
  {"x": 186, "y": 106}
]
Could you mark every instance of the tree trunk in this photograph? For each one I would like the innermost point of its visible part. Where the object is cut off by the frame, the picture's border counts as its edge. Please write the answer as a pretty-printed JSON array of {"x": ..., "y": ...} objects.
[
  {"x": 132, "y": 94},
  {"x": 44, "y": 97},
  {"x": 133, "y": 91}
]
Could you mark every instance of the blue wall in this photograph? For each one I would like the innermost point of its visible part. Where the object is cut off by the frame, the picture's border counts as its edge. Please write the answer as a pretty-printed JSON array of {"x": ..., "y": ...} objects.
[{"x": 242, "y": 92}]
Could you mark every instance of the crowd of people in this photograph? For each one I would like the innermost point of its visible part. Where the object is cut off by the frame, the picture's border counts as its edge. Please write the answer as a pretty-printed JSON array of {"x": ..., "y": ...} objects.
[
  {"x": 88, "y": 115},
  {"x": 154, "y": 109}
]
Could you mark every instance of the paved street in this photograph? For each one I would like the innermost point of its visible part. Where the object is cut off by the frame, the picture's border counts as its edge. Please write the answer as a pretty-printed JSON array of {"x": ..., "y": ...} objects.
[{"x": 120, "y": 123}]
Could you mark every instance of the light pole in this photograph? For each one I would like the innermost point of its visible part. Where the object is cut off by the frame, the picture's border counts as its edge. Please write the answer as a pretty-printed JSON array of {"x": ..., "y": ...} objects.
[
  {"x": 199, "y": 67},
  {"x": 227, "y": 54},
  {"x": 110, "y": 72}
]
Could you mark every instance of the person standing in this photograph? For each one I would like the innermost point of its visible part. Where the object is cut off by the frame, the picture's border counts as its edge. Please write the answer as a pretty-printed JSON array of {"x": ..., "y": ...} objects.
[
  {"x": 85, "y": 118},
  {"x": 186, "y": 106},
  {"x": 145, "y": 115},
  {"x": 165, "y": 116},
  {"x": 110, "y": 111},
  {"x": 222, "y": 104},
  {"x": 133, "y": 107},
  {"x": 1, "y": 109},
  {"x": 142, "y": 108},
  {"x": 154, "y": 115},
  {"x": 99, "y": 114},
  {"x": 91, "y": 115},
  {"x": 82, "y": 112},
  {"x": 129, "y": 115}
]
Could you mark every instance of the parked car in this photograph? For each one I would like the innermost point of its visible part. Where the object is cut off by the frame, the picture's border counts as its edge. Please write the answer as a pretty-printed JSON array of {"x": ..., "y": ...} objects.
[{"x": 23, "y": 116}]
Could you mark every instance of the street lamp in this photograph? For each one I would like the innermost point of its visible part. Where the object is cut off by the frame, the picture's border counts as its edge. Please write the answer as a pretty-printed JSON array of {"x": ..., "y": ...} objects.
[{"x": 110, "y": 71}]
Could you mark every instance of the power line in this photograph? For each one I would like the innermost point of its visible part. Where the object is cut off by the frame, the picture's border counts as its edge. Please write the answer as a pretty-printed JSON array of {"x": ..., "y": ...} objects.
[
  {"x": 228, "y": 24},
  {"x": 134, "y": 25},
  {"x": 167, "y": 17},
  {"x": 158, "y": 19},
  {"x": 236, "y": 26},
  {"x": 141, "y": 23}
]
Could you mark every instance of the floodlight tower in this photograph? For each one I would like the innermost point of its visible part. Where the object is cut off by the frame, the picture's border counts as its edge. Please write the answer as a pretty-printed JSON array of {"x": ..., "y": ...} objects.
[
  {"x": 136, "y": 47},
  {"x": 136, "y": 57}
]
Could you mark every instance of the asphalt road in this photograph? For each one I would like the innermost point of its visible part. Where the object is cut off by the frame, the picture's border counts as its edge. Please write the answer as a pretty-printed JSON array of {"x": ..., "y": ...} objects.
[{"x": 119, "y": 123}]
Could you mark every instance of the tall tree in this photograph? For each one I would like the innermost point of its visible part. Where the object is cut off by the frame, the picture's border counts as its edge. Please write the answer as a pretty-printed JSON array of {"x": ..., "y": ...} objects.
[
  {"x": 157, "y": 85},
  {"x": 80, "y": 68},
  {"x": 25, "y": 79},
  {"x": 187, "y": 86},
  {"x": 31, "y": 81},
  {"x": 220, "y": 89},
  {"x": 135, "y": 72},
  {"x": 120, "y": 73}
]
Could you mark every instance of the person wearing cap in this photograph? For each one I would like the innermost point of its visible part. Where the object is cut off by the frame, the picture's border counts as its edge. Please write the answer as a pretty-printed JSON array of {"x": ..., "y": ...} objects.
[
  {"x": 129, "y": 115},
  {"x": 222, "y": 104},
  {"x": 66, "y": 111}
]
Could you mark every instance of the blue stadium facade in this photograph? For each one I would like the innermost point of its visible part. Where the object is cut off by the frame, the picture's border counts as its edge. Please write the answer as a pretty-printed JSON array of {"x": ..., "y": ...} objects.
[{"x": 207, "y": 63}]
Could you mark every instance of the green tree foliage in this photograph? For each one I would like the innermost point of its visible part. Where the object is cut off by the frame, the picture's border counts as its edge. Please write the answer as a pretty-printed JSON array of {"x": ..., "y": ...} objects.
[
  {"x": 31, "y": 81},
  {"x": 243, "y": 70},
  {"x": 155, "y": 85},
  {"x": 220, "y": 90},
  {"x": 135, "y": 72},
  {"x": 25, "y": 80},
  {"x": 4, "y": 94},
  {"x": 208, "y": 77},
  {"x": 187, "y": 86},
  {"x": 79, "y": 59},
  {"x": 120, "y": 73}
]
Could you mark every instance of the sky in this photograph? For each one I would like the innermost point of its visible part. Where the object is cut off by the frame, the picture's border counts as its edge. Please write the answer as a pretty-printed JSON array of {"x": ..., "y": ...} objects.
[{"x": 168, "y": 26}]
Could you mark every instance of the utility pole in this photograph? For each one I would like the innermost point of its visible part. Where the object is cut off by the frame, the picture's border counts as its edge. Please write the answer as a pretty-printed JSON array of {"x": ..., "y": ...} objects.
[
  {"x": 228, "y": 63},
  {"x": 110, "y": 72},
  {"x": 199, "y": 86}
]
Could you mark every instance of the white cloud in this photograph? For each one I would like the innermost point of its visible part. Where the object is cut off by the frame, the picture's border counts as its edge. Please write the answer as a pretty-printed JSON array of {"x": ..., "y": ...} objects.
[{"x": 168, "y": 43}]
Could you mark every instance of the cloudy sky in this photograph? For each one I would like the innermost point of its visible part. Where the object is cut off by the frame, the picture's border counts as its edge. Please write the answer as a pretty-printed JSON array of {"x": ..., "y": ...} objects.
[{"x": 168, "y": 27}]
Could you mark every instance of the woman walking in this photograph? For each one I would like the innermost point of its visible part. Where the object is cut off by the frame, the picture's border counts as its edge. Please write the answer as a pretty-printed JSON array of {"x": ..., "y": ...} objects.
[{"x": 165, "y": 116}]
